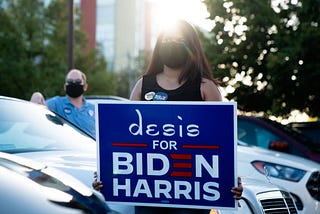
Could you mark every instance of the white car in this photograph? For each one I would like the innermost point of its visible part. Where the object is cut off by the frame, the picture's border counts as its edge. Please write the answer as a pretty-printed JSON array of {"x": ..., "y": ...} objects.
[
  {"x": 30, "y": 187},
  {"x": 34, "y": 132},
  {"x": 260, "y": 197},
  {"x": 301, "y": 177}
]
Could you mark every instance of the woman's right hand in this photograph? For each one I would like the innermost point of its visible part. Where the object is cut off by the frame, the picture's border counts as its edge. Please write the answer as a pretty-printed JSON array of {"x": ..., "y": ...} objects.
[{"x": 97, "y": 185}]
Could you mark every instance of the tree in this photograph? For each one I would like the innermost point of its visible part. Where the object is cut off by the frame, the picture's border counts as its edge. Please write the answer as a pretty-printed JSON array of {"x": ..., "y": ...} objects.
[
  {"x": 267, "y": 54},
  {"x": 34, "y": 57},
  {"x": 19, "y": 47}
]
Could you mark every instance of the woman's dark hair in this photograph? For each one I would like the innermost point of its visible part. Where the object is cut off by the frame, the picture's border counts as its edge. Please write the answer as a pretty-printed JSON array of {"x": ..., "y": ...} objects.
[{"x": 197, "y": 65}]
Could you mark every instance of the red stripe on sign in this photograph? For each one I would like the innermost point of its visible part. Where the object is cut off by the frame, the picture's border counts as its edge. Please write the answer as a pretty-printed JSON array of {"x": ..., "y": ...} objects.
[
  {"x": 181, "y": 156},
  {"x": 199, "y": 147},
  {"x": 129, "y": 144},
  {"x": 182, "y": 165},
  {"x": 180, "y": 174}
]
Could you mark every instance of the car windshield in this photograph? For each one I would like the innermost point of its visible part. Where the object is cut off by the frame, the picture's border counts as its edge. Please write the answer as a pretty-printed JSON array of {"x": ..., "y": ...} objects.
[
  {"x": 27, "y": 127},
  {"x": 310, "y": 129},
  {"x": 300, "y": 137}
]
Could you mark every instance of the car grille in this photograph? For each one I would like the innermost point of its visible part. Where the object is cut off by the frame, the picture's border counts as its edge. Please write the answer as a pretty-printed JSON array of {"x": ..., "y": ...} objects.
[
  {"x": 298, "y": 201},
  {"x": 277, "y": 203},
  {"x": 313, "y": 185}
]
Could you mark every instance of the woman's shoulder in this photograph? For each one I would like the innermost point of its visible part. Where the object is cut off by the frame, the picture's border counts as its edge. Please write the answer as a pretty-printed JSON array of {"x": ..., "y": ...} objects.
[
  {"x": 143, "y": 80},
  {"x": 208, "y": 82},
  {"x": 136, "y": 91},
  {"x": 210, "y": 90}
]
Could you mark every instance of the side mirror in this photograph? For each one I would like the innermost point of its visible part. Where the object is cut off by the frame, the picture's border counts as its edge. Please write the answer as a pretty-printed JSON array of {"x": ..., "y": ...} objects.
[{"x": 279, "y": 146}]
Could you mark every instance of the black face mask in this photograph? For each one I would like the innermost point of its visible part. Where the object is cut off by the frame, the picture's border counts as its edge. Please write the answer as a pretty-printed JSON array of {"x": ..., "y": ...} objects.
[
  {"x": 173, "y": 54},
  {"x": 74, "y": 90}
]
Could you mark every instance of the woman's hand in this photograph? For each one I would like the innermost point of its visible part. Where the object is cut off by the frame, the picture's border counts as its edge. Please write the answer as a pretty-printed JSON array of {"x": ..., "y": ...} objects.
[
  {"x": 97, "y": 185},
  {"x": 237, "y": 191}
]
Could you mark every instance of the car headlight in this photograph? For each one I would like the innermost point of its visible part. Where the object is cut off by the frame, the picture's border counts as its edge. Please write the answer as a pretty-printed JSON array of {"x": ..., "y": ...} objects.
[{"x": 279, "y": 171}]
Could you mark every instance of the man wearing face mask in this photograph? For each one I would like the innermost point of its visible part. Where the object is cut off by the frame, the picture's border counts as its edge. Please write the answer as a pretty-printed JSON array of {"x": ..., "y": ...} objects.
[{"x": 74, "y": 106}]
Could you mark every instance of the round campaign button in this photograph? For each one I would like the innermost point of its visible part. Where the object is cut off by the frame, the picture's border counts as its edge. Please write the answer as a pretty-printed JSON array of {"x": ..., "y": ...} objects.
[
  {"x": 160, "y": 96},
  {"x": 149, "y": 96}
]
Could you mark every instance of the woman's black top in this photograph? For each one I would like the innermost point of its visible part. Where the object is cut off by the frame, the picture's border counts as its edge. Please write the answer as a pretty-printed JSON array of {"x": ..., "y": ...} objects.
[
  {"x": 187, "y": 92},
  {"x": 152, "y": 91}
]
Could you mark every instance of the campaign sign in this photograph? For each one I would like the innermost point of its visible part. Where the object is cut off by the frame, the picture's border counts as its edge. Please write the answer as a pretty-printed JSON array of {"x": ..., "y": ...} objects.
[{"x": 168, "y": 154}]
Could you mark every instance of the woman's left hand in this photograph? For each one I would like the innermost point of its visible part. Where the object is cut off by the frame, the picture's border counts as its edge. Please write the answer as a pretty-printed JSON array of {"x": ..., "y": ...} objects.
[{"x": 237, "y": 191}]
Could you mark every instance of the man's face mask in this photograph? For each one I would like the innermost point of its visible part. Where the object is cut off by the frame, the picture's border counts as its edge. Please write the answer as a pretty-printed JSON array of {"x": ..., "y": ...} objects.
[
  {"x": 173, "y": 53},
  {"x": 74, "y": 88}
]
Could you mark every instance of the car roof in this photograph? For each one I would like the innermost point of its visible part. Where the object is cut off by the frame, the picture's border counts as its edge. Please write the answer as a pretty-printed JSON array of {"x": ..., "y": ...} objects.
[
  {"x": 304, "y": 124},
  {"x": 105, "y": 97}
]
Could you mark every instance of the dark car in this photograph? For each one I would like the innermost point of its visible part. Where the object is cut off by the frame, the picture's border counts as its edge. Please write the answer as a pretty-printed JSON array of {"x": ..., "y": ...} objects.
[
  {"x": 30, "y": 187},
  {"x": 310, "y": 129},
  {"x": 272, "y": 135}
]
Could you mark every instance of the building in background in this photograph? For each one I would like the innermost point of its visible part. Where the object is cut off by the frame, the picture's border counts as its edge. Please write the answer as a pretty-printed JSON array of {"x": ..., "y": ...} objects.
[
  {"x": 89, "y": 10},
  {"x": 120, "y": 29}
]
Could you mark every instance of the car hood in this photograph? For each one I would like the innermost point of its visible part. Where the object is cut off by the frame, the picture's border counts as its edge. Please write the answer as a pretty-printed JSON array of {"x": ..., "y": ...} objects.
[
  {"x": 255, "y": 186},
  {"x": 81, "y": 165},
  {"x": 250, "y": 153}
]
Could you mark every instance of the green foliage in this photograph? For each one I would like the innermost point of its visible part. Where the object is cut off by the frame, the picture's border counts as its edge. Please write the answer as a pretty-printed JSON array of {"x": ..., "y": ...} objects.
[
  {"x": 274, "y": 64},
  {"x": 33, "y": 57}
]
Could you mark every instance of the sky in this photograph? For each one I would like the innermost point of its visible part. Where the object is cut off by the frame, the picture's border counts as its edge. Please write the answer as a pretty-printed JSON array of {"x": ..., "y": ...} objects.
[{"x": 193, "y": 11}]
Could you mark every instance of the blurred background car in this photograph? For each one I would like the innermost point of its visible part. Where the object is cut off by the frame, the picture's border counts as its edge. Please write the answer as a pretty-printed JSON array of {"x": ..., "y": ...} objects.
[
  {"x": 32, "y": 131},
  {"x": 97, "y": 98},
  {"x": 269, "y": 134},
  {"x": 310, "y": 129},
  {"x": 30, "y": 187}
]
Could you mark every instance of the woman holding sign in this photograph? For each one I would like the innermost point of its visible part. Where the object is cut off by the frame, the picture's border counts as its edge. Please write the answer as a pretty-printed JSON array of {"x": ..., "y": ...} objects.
[{"x": 178, "y": 71}]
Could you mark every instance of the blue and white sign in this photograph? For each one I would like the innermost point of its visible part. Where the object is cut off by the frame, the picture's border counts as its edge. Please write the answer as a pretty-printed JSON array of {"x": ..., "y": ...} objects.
[{"x": 169, "y": 154}]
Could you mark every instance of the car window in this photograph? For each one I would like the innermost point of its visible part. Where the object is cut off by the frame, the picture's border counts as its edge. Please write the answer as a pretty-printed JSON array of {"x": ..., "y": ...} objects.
[
  {"x": 309, "y": 129},
  {"x": 29, "y": 127},
  {"x": 313, "y": 133},
  {"x": 255, "y": 134},
  {"x": 303, "y": 139},
  {"x": 258, "y": 135}
]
